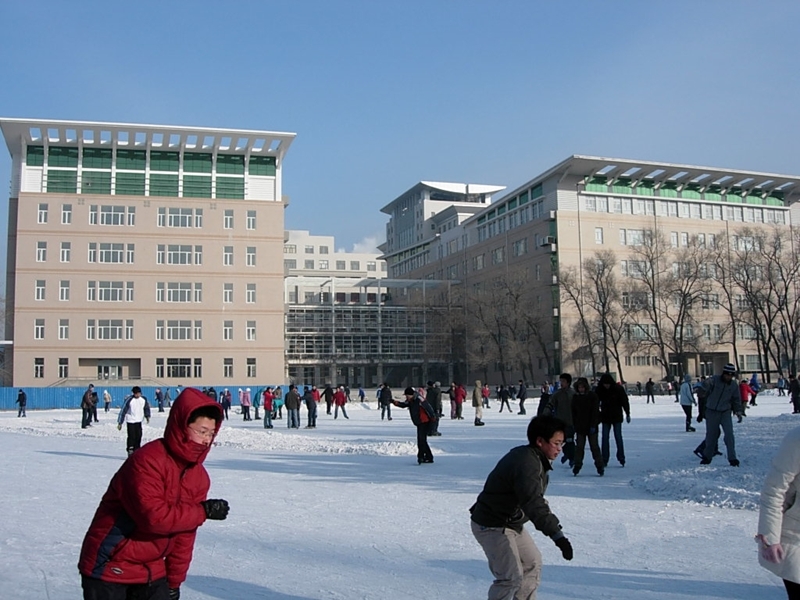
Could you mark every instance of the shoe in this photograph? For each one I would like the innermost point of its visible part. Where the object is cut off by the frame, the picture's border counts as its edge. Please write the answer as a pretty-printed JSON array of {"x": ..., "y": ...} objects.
[
  {"x": 734, "y": 462},
  {"x": 575, "y": 472},
  {"x": 705, "y": 461},
  {"x": 563, "y": 458},
  {"x": 622, "y": 463},
  {"x": 600, "y": 472},
  {"x": 390, "y": 418},
  {"x": 698, "y": 454},
  {"x": 717, "y": 453}
]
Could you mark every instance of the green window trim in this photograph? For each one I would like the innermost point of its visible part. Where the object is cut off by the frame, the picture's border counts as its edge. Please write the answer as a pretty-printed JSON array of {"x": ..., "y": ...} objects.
[
  {"x": 230, "y": 187},
  {"x": 230, "y": 164},
  {"x": 164, "y": 161},
  {"x": 96, "y": 182},
  {"x": 197, "y": 162},
  {"x": 131, "y": 160},
  {"x": 501, "y": 210},
  {"x": 491, "y": 214},
  {"x": 59, "y": 156},
  {"x": 523, "y": 198},
  {"x": 196, "y": 186},
  {"x": 262, "y": 165},
  {"x": 130, "y": 184},
  {"x": 164, "y": 185},
  {"x": 62, "y": 181},
  {"x": 536, "y": 192},
  {"x": 35, "y": 156}
]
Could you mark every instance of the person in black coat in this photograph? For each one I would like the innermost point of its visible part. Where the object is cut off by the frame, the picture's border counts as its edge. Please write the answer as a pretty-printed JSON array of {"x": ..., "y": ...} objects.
[
  {"x": 22, "y": 400},
  {"x": 613, "y": 401},
  {"x": 327, "y": 394},
  {"x": 433, "y": 395},
  {"x": 513, "y": 494},
  {"x": 422, "y": 414},
  {"x": 585, "y": 420}
]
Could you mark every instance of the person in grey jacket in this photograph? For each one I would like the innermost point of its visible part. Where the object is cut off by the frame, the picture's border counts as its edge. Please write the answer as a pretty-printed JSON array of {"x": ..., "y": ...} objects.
[
  {"x": 687, "y": 400},
  {"x": 513, "y": 494},
  {"x": 560, "y": 406},
  {"x": 722, "y": 397}
]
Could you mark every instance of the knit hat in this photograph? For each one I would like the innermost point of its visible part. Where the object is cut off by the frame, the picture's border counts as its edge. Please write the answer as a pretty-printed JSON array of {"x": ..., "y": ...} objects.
[
  {"x": 729, "y": 368},
  {"x": 409, "y": 391}
]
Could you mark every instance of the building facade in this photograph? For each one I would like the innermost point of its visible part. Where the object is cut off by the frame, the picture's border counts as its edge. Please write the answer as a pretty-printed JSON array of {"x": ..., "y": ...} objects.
[
  {"x": 112, "y": 226},
  {"x": 546, "y": 229}
]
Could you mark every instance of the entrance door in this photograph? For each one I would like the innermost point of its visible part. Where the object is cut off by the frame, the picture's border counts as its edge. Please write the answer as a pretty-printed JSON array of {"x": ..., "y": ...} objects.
[{"x": 109, "y": 371}]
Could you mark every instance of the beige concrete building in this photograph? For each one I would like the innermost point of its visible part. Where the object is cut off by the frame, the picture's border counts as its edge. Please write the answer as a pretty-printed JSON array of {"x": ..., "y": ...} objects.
[
  {"x": 563, "y": 216},
  {"x": 112, "y": 227}
]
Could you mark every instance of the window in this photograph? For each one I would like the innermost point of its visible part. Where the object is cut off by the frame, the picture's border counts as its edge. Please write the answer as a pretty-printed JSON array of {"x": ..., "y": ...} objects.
[
  {"x": 198, "y": 255},
  {"x": 41, "y": 215},
  {"x": 109, "y": 291},
  {"x": 371, "y": 265},
  {"x": 227, "y": 367},
  {"x": 41, "y": 251},
  {"x": 111, "y": 215},
  {"x": 251, "y": 256},
  {"x": 323, "y": 265},
  {"x": 160, "y": 251},
  {"x": 179, "y": 254},
  {"x": 673, "y": 239},
  {"x": 38, "y": 368},
  {"x": 251, "y": 220},
  {"x": 179, "y": 330},
  {"x": 40, "y": 289},
  {"x": 251, "y": 367},
  {"x": 227, "y": 293},
  {"x": 227, "y": 256},
  {"x": 66, "y": 214},
  {"x": 129, "y": 291},
  {"x": 227, "y": 330},
  {"x": 290, "y": 264},
  {"x": 309, "y": 264},
  {"x": 227, "y": 221},
  {"x": 598, "y": 235},
  {"x": 290, "y": 249},
  {"x": 63, "y": 368},
  {"x": 341, "y": 265},
  {"x": 66, "y": 252},
  {"x": 107, "y": 252},
  {"x": 198, "y": 330},
  {"x": 323, "y": 249},
  {"x": 622, "y": 237},
  {"x": 520, "y": 247},
  {"x": 478, "y": 262},
  {"x": 63, "y": 291},
  {"x": 250, "y": 332},
  {"x": 179, "y": 367},
  {"x": 38, "y": 329},
  {"x": 160, "y": 331},
  {"x": 160, "y": 291},
  {"x": 129, "y": 253},
  {"x": 198, "y": 368},
  {"x": 91, "y": 291},
  {"x": 180, "y": 217},
  {"x": 129, "y": 329},
  {"x": 684, "y": 239},
  {"x": 355, "y": 265},
  {"x": 498, "y": 255},
  {"x": 179, "y": 292},
  {"x": 160, "y": 367},
  {"x": 309, "y": 250},
  {"x": 109, "y": 329},
  {"x": 198, "y": 292},
  {"x": 251, "y": 293}
]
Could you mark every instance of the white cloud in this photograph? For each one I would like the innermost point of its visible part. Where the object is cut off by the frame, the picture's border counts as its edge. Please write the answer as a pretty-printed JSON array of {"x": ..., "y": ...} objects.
[{"x": 367, "y": 244}]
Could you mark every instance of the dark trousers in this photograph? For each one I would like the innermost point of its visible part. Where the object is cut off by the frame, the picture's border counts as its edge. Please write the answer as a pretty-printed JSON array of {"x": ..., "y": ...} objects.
[
  {"x": 687, "y": 408},
  {"x": 386, "y": 409},
  {"x": 650, "y": 395},
  {"x": 605, "y": 445},
  {"x": 423, "y": 449},
  {"x": 96, "y": 589},
  {"x": 522, "y": 406},
  {"x": 21, "y": 411},
  {"x": 86, "y": 417},
  {"x": 134, "y": 437},
  {"x": 580, "y": 448},
  {"x": 792, "y": 589},
  {"x": 312, "y": 414},
  {"x": 328, "y": 404}
]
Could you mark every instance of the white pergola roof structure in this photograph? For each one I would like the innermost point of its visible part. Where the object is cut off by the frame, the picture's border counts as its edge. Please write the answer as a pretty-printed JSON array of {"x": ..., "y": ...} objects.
[{"x": 20, "y": 133}]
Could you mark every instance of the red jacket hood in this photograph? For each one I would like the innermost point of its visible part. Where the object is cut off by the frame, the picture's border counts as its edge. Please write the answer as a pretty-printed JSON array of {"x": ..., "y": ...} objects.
[{"x": 176, "y": 436}]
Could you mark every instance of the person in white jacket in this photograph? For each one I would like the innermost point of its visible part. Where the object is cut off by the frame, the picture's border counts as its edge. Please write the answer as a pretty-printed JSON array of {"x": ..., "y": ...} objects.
[
  {"x": 779, "y": 517},
  {"x": 687, "y": 400}
]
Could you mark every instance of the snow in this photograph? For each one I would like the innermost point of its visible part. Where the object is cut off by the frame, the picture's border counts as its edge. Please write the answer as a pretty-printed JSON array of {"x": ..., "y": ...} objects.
[{"x": 345, "y": 512}]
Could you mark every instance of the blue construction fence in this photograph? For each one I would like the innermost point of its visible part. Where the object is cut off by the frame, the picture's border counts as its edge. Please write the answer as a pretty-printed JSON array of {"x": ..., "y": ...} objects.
[{"x": 70, "y": 397}]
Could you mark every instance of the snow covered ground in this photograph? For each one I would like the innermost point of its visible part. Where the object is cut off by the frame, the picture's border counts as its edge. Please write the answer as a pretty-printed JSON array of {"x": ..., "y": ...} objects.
[{"x": 344, "y": 511}]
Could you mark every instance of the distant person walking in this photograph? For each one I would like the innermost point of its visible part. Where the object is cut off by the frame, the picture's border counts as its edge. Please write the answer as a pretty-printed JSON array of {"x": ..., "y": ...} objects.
[
  {"x": 107, "y": 400},
  {"x": 134, "y": 410},
  {"x": 613, "y": 402},
  {"x": 22, "y": 400},
  {"x": 477, "y": 403},
  {"x": 385, "y": 400},
  {"x": 687, "y": 400},
  {"x": 522, "y": 395},
  {"x": 86, "y": 407},
  {"x": 649, "y": 387}
]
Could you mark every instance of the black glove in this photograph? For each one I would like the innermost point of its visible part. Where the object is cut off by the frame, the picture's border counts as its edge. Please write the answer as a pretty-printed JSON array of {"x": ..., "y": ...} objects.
[
  {"x": 699, "y": 419},
  {"x": 216, "y": 509},
  {"x": 174, "y": 593},
  {"x": 565, "y": 547}
]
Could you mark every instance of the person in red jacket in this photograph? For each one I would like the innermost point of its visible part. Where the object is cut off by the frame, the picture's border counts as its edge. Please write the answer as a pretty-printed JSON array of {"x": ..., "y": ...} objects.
[
  {"x": 339, "y": 399},
  {"x": 461, "y": 394},
  {"x": 141, "y": 538}
]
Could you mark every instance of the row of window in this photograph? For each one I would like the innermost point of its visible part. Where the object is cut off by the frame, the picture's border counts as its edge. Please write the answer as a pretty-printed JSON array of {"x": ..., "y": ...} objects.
[
  {"x": 185, "y": 368},
  {"x": 166, "y": 254},
  {"x": 292, "y": 249},
  {"x": 122, "y": 329},
  {"x": 688, "y": 210},
  {"x": 136, "y": 160},
  {"x": 324, "y": 265},
  {"x": 108, "y": 214},
  {"x": 338, "y": 298},
  {"x": 514, "y": 219},
  {"x": 123, "y": 291}
]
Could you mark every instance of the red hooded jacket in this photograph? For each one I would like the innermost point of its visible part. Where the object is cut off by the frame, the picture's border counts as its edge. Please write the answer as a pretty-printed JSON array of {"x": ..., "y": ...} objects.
[{"x": 145, "y": 526}]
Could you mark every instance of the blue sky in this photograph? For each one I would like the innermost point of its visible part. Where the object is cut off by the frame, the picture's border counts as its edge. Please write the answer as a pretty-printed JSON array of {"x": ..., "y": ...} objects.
[{"x": 383, "y": 94}]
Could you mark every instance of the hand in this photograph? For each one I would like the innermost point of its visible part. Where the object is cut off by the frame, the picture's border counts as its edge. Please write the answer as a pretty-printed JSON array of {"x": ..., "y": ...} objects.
[
  {"x": 147, "y": 419},
  {"x": 628, "y": 419},
  {"x": 773, "y": 553},
  {"x": 216, "y": 509},
  {"x": 565, "y": 547},
  {"x": 119, "y": 427},
  {"x": 699, "y": 419},
  {"x": 739, "y": 418},
  {"x": 174, "y": 593}
]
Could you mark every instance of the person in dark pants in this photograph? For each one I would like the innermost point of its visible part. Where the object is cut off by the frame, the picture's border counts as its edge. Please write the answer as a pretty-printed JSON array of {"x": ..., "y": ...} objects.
[
  {"x": 613, "y": 401},
  {"x": 794, "y": 393},
  {"x": 86, "y": 407},
  {"x": 327, "y": 395},
  {"x": 522, "y": 395},
  {"x": 722, "y": 397},
  {"x": 422, "y": 414},
  {"x": 586, "y": 420},
  {"x": 134, "y": 410},
  {"x": 160, "y": 399},
  {"x": 385, "y": 400},
  {"x": 434, "y": 397},
  {"x": 22, "y": 400},
  {"x": 513, "y": 494},
  {"x": 649, "y": 387},
  {"x": 503, "y": 395}
]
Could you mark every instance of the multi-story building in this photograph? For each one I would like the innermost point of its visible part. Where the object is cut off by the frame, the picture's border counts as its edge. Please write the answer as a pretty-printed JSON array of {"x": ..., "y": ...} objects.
[
  {"x": 345, "y": 321},
  {"x": 111, "y": 226},
  {"x": 556, "y": 221}
]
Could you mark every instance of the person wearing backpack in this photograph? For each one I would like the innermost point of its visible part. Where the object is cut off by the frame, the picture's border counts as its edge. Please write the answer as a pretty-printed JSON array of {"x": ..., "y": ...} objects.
[{"x": 422, "y": 414}]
